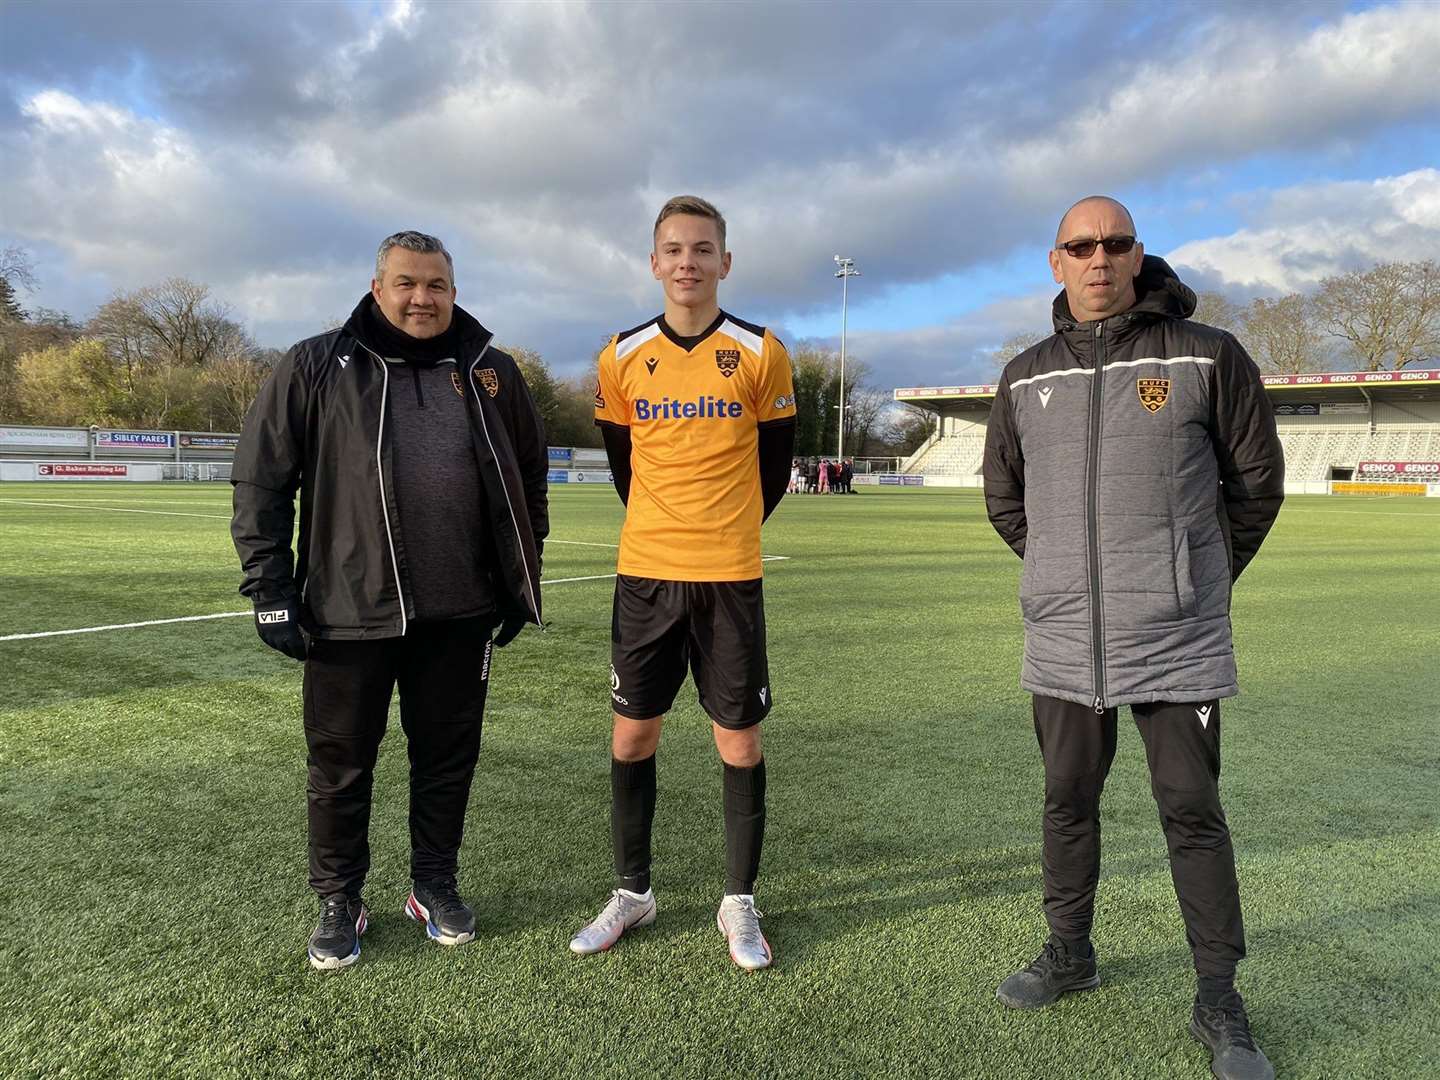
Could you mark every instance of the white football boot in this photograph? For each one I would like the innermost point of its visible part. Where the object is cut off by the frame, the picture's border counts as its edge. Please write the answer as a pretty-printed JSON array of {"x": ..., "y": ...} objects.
[
  {"x": 740, "y": 923},
  {"x": 624, "y": 911}
]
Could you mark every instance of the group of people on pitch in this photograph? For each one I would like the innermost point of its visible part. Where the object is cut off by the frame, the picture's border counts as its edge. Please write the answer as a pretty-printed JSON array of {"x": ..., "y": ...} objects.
[
  {"x": 1131, "y": 461},
  {"x": 821, "y": 477}
]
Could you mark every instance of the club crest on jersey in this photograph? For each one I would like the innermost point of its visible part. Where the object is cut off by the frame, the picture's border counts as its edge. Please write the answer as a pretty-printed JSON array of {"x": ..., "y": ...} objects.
[
  {"x": 487, "y": 378},
  {"x": 455, "y": 382},
  {"x": 727, "y": 360},
  {"x": 1153, "y": 393}
]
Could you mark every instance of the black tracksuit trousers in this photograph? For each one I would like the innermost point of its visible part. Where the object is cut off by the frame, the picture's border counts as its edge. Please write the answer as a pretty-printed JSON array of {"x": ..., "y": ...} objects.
[
  {"x": 1182, "y": 746},
  {"x": 442, "y": 669}
]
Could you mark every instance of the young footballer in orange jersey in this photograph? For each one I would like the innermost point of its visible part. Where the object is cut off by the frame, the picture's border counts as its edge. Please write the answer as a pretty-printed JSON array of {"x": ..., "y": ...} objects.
[{"x": 697, "y": 410}]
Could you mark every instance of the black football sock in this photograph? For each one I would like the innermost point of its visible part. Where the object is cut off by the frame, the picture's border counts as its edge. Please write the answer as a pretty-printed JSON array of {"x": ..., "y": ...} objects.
[
  {"x": 632, "y": 813},
  {"x": 744, "y": 826},
  {"x": 1214, "y": 987}
]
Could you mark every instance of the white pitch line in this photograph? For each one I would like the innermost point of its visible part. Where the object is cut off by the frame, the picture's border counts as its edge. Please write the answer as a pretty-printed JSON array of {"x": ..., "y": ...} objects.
[
  {"x": 238, "y": 614},
  {"x": 116, "y": 509},
  {"x": 227, "y": 517},
  {"x": 1419, "y": 514},
  {"x": 217, "y": 615},
  {"x": 125, "y": 625}
]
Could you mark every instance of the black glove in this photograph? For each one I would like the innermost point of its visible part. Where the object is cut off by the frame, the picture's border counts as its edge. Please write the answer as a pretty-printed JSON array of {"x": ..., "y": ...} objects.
[
  {"x": 279, "y": 627},
  {"x": 509, "y": 630}
]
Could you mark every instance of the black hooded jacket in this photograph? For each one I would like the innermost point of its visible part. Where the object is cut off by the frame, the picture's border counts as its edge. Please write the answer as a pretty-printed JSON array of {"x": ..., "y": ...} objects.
[{"x": 319, "y": 427}]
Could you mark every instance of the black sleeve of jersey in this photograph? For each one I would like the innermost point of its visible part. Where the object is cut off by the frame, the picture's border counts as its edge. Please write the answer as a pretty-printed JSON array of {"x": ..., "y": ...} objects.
[
  {"x": 617, "y": 449},
  {"x": 1004, "y": 470},
  {"x": 777, "y": 448}
]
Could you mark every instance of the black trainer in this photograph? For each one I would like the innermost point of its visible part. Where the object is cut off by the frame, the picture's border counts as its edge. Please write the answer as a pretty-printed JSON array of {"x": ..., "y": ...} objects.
[
  {"x": 1054, "y": 972},
  {"x": 1225, "y": 1029},
  {"x": 335, "y": 943},
  {"x": 447, "y": 918}
]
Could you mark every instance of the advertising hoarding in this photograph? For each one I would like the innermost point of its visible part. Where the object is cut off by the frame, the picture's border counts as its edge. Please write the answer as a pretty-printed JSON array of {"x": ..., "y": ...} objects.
[
  {"x": 81, "y": 470},
  {"x": 208, "y": 441},
  {"x": 136, "y": 440},
  {"x": 57, "y": 438}
]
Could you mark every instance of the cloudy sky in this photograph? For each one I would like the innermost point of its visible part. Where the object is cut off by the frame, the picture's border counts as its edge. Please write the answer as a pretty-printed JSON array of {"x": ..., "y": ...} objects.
[{"x": 265, "y": 148}]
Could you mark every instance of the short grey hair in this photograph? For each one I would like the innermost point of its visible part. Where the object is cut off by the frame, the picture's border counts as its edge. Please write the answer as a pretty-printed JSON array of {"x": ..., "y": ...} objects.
[{"x": 411, "y": 240}]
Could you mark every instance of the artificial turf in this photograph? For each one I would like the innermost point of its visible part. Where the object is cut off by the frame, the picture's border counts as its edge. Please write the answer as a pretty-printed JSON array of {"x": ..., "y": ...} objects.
[{"x": 153, "y": 909}]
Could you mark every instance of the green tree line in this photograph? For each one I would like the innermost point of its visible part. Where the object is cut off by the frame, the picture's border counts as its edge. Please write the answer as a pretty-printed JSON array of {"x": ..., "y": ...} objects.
[{"x": 171, "y": 356}]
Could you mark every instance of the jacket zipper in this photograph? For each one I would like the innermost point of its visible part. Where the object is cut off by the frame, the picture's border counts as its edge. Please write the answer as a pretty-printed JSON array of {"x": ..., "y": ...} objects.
[
  {"x": 380, "y": 479},
  {"x": 1092, "y": 519},
  {"x": 510, "y": 506}
]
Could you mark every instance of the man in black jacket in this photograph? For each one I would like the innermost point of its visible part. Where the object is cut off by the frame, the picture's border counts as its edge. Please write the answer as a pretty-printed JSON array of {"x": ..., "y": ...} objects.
[
  {"x": 1131, "y": 459},
  {"x": 421, "y": 466}
]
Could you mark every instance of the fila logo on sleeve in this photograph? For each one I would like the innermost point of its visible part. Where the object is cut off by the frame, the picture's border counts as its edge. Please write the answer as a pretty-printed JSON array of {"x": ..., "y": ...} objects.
[
  {"x": 1203, "y": 712},
  {"x": 272, "y": 616}
]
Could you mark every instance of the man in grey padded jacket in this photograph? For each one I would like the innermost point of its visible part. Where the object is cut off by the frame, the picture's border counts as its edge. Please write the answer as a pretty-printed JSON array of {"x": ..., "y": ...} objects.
[{"x": 1132, "y": 462}]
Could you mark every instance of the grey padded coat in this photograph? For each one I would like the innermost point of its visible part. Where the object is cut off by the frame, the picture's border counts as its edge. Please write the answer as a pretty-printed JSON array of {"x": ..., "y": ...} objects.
[{"x": 1133, "y": 463}]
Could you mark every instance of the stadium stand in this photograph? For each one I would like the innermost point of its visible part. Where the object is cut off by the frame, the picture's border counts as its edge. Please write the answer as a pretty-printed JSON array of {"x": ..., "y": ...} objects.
[{"x": 1335, "y": 427}]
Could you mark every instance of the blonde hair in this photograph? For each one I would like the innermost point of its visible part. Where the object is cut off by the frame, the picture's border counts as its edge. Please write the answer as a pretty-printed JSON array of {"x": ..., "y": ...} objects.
[{"x": 692, "y": 204}]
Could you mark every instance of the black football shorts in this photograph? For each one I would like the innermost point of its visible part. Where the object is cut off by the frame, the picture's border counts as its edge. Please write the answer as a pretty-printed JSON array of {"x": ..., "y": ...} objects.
[{"x": 715, "y": 628}]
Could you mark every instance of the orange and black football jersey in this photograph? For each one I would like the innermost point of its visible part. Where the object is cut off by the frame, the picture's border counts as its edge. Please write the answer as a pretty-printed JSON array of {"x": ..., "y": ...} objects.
[{"x": 694, "y": 407}]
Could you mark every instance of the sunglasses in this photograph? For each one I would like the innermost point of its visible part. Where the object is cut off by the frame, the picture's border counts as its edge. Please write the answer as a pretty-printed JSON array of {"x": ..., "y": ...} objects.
[{"x": 1113, "y": 245}]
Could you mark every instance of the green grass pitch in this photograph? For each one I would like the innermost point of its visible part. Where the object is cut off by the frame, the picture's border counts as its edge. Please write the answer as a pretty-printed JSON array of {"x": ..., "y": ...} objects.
[{"x": 153, "y": 908}]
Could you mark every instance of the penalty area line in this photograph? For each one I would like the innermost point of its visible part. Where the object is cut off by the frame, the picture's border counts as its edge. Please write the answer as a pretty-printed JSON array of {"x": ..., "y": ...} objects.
[
  {"x": 203, "y": 618},
  {"x": 239, "y": 614},
  {"x": 125, "y": 625},
  {"x": 115, "y": 510}
]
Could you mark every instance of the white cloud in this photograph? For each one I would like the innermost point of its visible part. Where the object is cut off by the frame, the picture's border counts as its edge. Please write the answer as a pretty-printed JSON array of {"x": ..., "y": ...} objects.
[
  {"x": 1301, "y": 234},
  {"x": 955, "y": 352},
  {"x": 1239, "y": 88},
  {"x": 538, "y": 141}
]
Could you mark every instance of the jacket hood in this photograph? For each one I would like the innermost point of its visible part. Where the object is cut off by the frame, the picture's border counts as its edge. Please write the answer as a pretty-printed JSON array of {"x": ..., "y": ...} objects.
[
  {"x": 472, "y": 336},
  {"x": 1159, "y": 292}
]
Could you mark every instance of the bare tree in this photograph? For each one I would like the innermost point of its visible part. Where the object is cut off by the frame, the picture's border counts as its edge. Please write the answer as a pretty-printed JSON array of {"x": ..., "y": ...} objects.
[
  {"x": 1215, "y": 309},
  {"x": 17, "y": 268},
  {"x": 867, "y": 406},
  {"x": 173, "y": 324},
  {"x": 909, "y": 427},
  {"x": 1281, "y": 335},
  {"x": 1014, "y": 345},
  {"x": 1387, "y": 316},
  {"x": 232, "y": 384}
]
